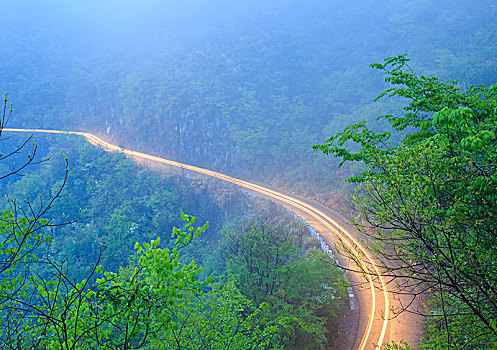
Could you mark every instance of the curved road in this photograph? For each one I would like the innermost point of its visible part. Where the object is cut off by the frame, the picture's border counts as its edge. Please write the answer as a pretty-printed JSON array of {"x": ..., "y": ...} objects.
[{"x": 373, "y": 300}]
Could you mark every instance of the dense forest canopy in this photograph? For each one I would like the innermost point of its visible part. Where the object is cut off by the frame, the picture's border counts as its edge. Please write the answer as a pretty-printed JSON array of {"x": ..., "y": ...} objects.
[{"x": 242, "y": 86}]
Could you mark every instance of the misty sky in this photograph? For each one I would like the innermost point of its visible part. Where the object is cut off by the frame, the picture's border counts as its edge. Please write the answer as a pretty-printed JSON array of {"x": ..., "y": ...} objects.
[{"x": 137, "y": 27}]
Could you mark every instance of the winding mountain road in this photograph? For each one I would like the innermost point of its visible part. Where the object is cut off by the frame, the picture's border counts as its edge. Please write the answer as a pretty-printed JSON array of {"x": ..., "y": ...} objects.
[{"x": 374, "y": 326}]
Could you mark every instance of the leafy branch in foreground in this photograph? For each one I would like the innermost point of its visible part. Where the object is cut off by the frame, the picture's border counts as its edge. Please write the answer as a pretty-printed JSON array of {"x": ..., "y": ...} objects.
[
  {"x": 159, "y": 303},
  {"x": 111, "y": 311},
  {"x": 429, "y": 201},
  {"x": 22, "y": 238}
]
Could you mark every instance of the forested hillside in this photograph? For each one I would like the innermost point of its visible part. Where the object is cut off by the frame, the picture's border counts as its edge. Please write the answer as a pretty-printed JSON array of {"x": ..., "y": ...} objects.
[
  {"x": 82, "y": 244},
  {"x": 244, "y": 87}
]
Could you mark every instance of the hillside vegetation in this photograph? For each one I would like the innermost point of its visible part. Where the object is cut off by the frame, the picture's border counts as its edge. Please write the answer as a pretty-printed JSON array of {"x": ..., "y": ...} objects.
[
  {"x": 243, "y": 87},
  {"x": 116, "y": 278},
  {"x": 428, "y": 202}
]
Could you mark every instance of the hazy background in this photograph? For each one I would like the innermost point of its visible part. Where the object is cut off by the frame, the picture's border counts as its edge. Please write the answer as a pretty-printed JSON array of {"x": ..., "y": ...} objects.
[{"x": 245, "y": 87}]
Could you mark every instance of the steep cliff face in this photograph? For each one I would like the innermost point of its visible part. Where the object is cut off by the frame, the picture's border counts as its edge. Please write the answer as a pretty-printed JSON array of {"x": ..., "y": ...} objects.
[{"x": 190, "y": 132}]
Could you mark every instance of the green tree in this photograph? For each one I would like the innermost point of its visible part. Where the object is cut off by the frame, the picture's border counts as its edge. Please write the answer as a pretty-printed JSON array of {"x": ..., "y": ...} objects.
[
  {"x": 428, "y": 200},
  {"x": 222, "y": 319},
  {"x": 23, "y": 234},
  {"x": 156, "y": 303},
  {"x": 268, "y": 269},
  {"x": 114, "y": 311},
  {"x": 258, "y": 254}
]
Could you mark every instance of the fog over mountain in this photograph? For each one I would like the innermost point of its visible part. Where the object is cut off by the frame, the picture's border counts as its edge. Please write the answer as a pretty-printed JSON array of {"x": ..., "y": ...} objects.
[{"x": 244, "y": 86}]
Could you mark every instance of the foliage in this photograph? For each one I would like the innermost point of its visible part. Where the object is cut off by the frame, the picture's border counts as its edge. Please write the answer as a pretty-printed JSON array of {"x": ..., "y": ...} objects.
[
  {"x": 159, "y": 303},
  {"x": 116, "y": 312},
  {"x": 429, "y": 202},
  {"x": 395, "y": 346},
  {"x": 22, "y": 235},
  {"x": 268, "y": 269},
  {"x": 223, "y": 319},
  {"x": 21, "y": 226},
  {"x": 258, "y": 255},
  {"x": 122, "y": 203}
]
